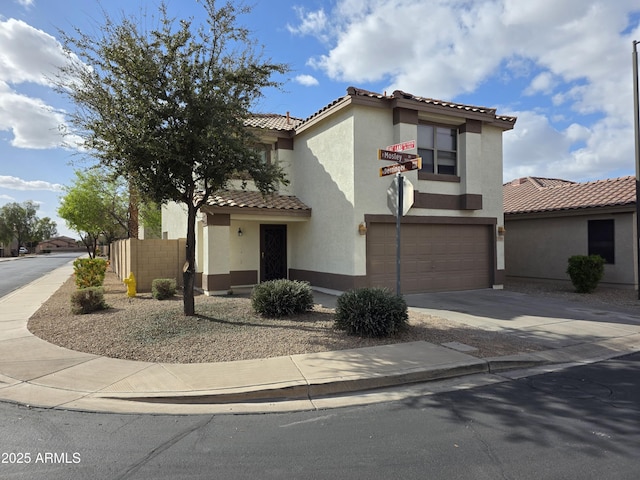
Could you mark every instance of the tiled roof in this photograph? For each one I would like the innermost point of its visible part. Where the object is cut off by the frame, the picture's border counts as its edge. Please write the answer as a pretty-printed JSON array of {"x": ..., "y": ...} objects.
[
  {"x": 248, "y": 199},
  {"x": 272, "y": 121},
  {"x": 275, "y": 121},
  {"x": 534, "y": 194},
  {"x": 355, "y": 92}
]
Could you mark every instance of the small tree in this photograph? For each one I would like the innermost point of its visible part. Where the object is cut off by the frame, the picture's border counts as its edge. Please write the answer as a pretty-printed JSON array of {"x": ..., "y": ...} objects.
[
  {"x": 94, "y": 206},
  {"x": 166, "y": 107},
  {"x": 18, "y": 221}
]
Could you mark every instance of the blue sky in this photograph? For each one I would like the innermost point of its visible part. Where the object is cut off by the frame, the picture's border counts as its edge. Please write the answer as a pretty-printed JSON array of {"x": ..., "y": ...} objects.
[{"x": 563, "y": 67}]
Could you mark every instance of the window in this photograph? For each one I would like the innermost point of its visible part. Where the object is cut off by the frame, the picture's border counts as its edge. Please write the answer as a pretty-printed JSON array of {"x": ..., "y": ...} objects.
[
  {"x": 438, "y": 147},
  {"x": 601, "y": 239}
]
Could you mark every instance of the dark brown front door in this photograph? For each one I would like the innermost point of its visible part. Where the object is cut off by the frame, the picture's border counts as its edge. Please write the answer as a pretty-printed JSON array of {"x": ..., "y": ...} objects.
[{"x": 273, "y": 252}]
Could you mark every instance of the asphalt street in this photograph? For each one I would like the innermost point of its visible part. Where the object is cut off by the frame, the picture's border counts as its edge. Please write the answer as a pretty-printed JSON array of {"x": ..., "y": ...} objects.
[
  {"x": 20, "y": 271},
  {"x": 582, "y": 422}
]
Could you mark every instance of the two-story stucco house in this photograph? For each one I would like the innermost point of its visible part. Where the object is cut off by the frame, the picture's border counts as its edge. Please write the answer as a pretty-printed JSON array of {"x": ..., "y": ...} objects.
[{"x": 332, "y": 226}]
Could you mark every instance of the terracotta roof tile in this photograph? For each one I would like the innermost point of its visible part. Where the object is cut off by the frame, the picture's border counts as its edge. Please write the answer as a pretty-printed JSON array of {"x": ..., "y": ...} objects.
[
  {"x": 272, "y": 121},
  {"x": 249, "y": 199},
  {"x": 535, "y": 194},
  {"x": 353, "y": 91}
]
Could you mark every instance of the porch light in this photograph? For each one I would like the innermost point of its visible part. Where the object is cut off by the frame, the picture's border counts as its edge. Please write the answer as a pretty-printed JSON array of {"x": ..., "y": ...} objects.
[
  {"x": 239, "y": 231},
  {"x": 501, "y": 231},
  {"x": 362, "y": 228}
]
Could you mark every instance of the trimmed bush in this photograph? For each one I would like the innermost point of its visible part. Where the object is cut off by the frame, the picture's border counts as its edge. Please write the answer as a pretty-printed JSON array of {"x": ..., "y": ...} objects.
[
  {"x": 585, "y": 272},
  {"x": 89, "y": 272},
  {"x": 279, "y": 298},
  {"x": 87, "y": 300},
  {"x": 163, "y": 288},
  {"x": 371, "y": 312}
]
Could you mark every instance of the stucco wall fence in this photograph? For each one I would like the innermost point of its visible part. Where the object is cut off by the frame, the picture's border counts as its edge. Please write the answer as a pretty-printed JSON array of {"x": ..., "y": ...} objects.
[{"x": 148, "y": 259}]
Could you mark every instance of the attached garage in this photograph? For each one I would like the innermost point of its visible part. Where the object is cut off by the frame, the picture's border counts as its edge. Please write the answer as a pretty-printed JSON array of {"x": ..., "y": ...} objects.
[{"x": 434, "y": 256}]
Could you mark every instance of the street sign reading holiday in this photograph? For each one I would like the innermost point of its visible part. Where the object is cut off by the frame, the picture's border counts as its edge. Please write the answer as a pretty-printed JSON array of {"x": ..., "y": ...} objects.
[
  {"x": 400, "y": 147},
  {"x": 415, "y": 164},
  {"x": 397, "y": 157}
]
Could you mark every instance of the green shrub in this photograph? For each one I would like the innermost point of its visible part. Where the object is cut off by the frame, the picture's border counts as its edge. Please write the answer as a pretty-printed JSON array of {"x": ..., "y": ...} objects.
[
  {"x": 89, "y": 272},
  {"x": 371, "y": 312},
  {"x": 278, "y": 298},
  {"x": 87, "y": 300},
  {"x": 163, "y": 288},
  {"x": 585, "y": 272}
]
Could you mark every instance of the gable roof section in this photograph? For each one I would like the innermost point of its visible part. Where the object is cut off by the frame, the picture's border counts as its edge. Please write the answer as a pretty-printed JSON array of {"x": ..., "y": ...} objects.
[
  {"x": 407, "y": 100},
  {"x": 244, "y": 201},
  {"x": 536, "y": 195},
  {"x": 286, "y": 123}
]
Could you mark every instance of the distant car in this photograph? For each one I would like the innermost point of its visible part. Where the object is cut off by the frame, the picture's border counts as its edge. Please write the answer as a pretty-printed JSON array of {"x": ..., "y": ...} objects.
[{"x": 23, "y": 250}]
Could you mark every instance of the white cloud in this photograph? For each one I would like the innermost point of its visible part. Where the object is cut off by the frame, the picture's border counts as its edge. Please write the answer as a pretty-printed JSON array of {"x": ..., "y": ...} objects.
[
  {"x": 26, "y": 3},
  {"x": 311, "y": 23},
  {"x": 29, "y": 55},
  {"x": 15, "y": 183},
  {"x": 574, "y": 52},
  {"x": 8, "y": 198},
  {"x": 306, "y": 80},
  {"x": 541, "y": 83}
]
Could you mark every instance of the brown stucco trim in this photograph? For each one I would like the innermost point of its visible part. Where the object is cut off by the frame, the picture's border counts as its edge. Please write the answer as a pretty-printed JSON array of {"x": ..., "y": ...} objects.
[
  {"x": 216, "y": 282},
  {"x": 244, "y": 277},
  {"x": 284, "y": 144},
  {"x": 438, "y": 201},
  {"x": 331, "y": 281},
  {"x": 405, "y": 115},
  {"x": 218, "y": 219},
  {"x": 471, "y": 126},
  {"x": 276, "y": 212},
  {"x": 375, "y": 218},
  {"x": 436, "y": 177}
]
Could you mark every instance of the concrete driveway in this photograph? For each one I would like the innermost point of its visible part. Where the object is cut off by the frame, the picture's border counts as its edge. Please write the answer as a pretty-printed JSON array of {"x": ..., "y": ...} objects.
[{"x": 554, "y": 322}]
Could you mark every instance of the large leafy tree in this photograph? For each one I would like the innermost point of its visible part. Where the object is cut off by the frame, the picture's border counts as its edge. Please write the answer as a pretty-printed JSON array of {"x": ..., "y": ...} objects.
[
  {"x": 19, "y": 222},
  {"x": 95, "y": 205},
  {"x": 165, "y": 106}
]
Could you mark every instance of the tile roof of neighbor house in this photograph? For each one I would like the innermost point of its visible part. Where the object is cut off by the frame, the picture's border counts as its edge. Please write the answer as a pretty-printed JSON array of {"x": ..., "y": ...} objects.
[
  {"x": 285, "y": 122},
  {"x": 248, "y": 199},
  {"x": 273, "y": 121},
  {"x": 535, "y": 194}
]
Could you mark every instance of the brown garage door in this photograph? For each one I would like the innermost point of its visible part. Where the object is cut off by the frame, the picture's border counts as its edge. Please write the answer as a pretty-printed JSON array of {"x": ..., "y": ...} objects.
[{"x": 435, "y": 257}]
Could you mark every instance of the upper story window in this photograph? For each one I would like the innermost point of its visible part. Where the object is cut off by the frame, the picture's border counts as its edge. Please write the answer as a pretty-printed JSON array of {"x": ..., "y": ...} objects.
[{"x": 438, "y": 147}]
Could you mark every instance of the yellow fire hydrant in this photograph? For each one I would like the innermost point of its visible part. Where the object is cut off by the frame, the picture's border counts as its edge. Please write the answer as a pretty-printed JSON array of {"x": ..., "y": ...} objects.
[{"x": 130, "y": 282}]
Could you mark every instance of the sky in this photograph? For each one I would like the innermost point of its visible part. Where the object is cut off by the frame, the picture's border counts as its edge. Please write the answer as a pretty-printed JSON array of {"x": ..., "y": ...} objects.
[{"x": 563, "y": 67}]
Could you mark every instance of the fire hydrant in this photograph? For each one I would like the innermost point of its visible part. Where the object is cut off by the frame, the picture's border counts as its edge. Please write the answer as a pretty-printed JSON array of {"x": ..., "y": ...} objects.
[{"x": 130, "y": 282}]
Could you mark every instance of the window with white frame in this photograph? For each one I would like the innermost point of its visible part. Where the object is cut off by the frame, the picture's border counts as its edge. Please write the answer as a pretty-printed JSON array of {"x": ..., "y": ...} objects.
[{"x": 438, "y": 147}]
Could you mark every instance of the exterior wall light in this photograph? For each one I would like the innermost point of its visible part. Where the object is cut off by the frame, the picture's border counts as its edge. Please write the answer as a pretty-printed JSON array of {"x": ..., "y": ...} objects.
[
  {"x": 239, "y": 232},
  {"x": 362, "y": 228},
  {"x": 501, "y": 231}
]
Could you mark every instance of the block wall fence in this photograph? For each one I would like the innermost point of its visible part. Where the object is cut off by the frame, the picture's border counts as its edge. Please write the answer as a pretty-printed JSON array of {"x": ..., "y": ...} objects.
[{"x": 148, "y": 259}]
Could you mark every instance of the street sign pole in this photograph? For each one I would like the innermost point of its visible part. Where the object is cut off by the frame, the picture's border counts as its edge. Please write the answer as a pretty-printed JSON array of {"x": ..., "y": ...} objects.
[{"x": 400, "y": 180}]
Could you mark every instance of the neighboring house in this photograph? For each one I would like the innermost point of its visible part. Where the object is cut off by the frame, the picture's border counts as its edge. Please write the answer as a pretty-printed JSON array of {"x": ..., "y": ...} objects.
[
  {"x": 331, "y": 226},
  {"x": 549, "y": 220},
  {"x": 57, "y": 244}
]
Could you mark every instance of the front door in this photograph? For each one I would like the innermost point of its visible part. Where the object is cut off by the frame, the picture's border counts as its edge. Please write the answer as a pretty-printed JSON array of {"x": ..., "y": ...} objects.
[{"x": 273, "y": 252}]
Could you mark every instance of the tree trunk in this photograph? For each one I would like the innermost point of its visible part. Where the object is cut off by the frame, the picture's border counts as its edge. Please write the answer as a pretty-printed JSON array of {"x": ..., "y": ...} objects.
[
  {"x": 189, "y": 273},
  {"x": 133, "y": 211}
]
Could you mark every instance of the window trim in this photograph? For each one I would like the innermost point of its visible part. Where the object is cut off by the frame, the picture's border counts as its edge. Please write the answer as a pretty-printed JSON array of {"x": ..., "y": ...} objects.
[{"x": 444, "y": 177}]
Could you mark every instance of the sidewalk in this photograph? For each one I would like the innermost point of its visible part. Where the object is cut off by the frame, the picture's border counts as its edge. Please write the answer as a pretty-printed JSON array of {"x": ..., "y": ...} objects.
[{"x": 37, "y": 373}]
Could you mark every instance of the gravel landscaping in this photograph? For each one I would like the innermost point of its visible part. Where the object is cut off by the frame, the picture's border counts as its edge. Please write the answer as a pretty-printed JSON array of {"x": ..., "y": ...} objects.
[{"x": 225, "y": 329}]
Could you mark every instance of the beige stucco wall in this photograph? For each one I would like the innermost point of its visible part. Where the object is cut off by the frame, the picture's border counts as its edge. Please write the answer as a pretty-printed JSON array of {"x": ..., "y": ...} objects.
[
  {"x": 323, "y": 177},
  {"x": 540, "y": 248}
]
